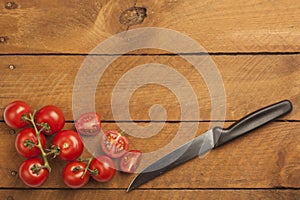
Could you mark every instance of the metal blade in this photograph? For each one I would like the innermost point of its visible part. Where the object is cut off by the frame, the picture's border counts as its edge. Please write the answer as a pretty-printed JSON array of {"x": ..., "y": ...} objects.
[{"x": 197, "y": 147}]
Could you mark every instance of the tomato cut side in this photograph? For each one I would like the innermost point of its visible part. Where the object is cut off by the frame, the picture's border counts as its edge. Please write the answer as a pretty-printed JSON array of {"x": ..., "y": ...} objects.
[
  {"x": 114, "y": 144},
  {"x": 130, "y": 161},
  {"x": 88, "y": 124}
]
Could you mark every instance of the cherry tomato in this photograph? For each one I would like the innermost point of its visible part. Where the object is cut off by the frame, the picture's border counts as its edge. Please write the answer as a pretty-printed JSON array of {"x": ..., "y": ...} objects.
[
  {"x": 130, "y": 161},
  {"x": 114, "y": 144},
  {"x": 69, "y": 145},
  {"x": 13, "y": 114},
  {"x": 73, "y": 174},
  {"x": 32, "y": 174},
  {"x": 51, "y": 115},
  {"x": 103, "y": 168},
  {"x": 88, "y": 124},
  {"x": 25, "y": 141}
]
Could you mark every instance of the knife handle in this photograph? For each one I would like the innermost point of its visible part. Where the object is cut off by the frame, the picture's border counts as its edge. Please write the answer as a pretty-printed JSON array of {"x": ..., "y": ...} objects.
[{"x": 251, "y": 122}]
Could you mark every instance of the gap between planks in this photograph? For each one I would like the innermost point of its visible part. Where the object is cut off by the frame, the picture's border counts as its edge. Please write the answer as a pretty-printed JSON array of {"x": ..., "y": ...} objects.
[{"x": 157, "y": 54}]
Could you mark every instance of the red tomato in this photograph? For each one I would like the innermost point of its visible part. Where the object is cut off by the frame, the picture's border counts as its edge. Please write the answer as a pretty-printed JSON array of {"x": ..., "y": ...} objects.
[
  {"x": 88, "y": 124},
  {"x": 51, "y": 115},
  {"x": 13, "y": 114},
  {"x": 114, "y": 144},
  {"x": 31, "y": 174},
  {"x": 23, "y": 140},
  {"x": 73, "y": 174},
  {"x": 130, "y": 161},
  {"x": 104, "y": 168},
  {"x": 69, "y": 145}
]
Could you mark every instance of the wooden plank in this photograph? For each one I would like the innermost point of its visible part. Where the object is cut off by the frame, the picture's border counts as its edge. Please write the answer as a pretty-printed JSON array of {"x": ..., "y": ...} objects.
[
  {"x": 266, "y": 158},
  {"x": 250, "y": 83},
  {"x": 150, "y": 194},
  {"x": 219, "y": 26}
]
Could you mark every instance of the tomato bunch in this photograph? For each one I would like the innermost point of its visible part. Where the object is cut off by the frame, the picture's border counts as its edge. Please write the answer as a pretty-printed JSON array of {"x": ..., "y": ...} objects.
[{"x": 35, "y": 127}]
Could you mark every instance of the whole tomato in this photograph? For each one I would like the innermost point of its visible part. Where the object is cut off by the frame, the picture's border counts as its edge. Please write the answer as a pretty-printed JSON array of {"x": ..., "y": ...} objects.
[
  {"x": 14, "y": 112},
  {"x": 52, "y": 116},
  {"x": 32, "y": 173},
  {"x": 114, "y": 144},
  {"x": 130, "y": 161},
  {"x": 68, "y": 145},
  {"x": 88, "y": 124},
  {"x": 74, "y": 175},
  {"x": 102, "y": 168},
  {"x": 25, "y": 141}
]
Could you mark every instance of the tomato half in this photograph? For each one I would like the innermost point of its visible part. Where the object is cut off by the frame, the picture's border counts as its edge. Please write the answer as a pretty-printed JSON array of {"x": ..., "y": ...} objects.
[
  {"x": 32, "y": 174},
  {"x": 88, "y": 124},
  {"x": 73, "y": 174},
  {"x": 13, "y": 113},
  {"x": 103, "y": 168},
  {"x": 51, "y": 115},
  {"x": 130, "y": 161},
  {"x": 114, "y": 144},
  {"x": 69, "y": 145},
  {"x": 25, "y": 141}
]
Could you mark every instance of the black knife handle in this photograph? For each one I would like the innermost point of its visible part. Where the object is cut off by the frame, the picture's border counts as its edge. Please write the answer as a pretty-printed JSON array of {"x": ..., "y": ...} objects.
[{"x": 251, "y": 122}]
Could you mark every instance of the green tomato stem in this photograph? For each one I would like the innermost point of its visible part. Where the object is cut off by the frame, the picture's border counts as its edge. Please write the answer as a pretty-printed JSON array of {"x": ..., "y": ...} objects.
[
  {"x": 30, "y": 144},
  {"x": 39, "y": 145},
  {"x": 53, "y": 151},
  {"x": 87, "y": 166}
]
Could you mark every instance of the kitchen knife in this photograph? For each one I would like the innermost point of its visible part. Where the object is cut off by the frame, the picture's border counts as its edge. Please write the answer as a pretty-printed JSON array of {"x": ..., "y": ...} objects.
[{"x": 211, "y": 139}]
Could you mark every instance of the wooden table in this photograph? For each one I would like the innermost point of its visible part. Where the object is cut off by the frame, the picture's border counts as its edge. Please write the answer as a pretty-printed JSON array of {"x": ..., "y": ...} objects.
[{"x": 256, "y": 48}]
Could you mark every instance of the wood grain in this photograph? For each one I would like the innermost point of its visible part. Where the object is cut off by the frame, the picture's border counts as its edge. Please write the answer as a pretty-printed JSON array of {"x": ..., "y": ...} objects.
[
  {"x": 219, "y": 26},
  {"x": 266, "y": 158},
  {"x": 152, "y": 194},
  {"x": 250, "y": 82},
  {"x": 256, "y": 48}
]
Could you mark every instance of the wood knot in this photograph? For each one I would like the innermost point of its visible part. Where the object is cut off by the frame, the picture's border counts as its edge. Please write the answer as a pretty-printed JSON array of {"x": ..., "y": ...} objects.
[
  {"x": 12, "y": 131},
  {"x": 133, "y": 16},
  {"x": 11, "y": 67},
  {"x": 10, "y": 198},
  {"x": 3, "y": 39},
  {"x": 11, "y": 5},
  {"x": 280, "y": 159},
  {"x": 13, "y": 172}
]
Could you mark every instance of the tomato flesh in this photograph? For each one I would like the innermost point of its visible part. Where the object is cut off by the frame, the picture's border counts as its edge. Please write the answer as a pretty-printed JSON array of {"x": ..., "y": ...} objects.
[
  {"x": 114, "y": 144},
  {"x": 31, "y": 177},
  {"x": 52, "y": 116},
  {"x": 23, "y": 140},
  {"x": 130, "y": 161},
  {"x": 103, "y": 168},
  {"x": 88, "y": 124},
  {"x": 73, "y": 174},
  {"x": 69, "y": 145},
  {"x": 13, "y": 113}
]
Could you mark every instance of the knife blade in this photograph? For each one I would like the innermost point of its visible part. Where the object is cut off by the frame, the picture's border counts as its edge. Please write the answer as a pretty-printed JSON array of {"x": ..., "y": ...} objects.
[{"x": 211, "y": 139}]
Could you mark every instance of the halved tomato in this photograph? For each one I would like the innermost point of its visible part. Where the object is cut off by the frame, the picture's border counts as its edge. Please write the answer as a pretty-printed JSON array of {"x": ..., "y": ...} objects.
[
  {"x": 114, "y": 144},
  {"x": 130, "y": 161},
  {"x": 88, "y": 124}
]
